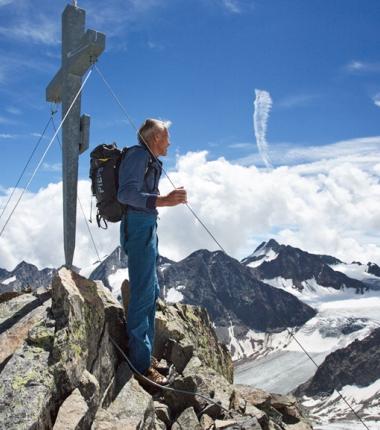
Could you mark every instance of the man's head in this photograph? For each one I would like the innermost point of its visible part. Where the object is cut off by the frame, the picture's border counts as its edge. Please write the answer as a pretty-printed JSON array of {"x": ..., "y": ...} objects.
[{"x": 154, "y": 133}]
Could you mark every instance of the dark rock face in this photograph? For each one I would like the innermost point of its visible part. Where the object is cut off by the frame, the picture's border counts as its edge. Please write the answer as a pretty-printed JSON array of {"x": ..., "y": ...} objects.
[
  {"x": 373, "y": 269},
  {"x": 231, "y": 294},
  {"x": 293, "y": 263},
  {"x": 357, "y": 364},
  {"x": 27, "y": 278},
  {"x": 116, "y": 260}
]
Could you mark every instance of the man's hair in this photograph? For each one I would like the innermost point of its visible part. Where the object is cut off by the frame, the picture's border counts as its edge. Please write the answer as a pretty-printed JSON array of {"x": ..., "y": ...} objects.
[{"x": 150, "y": 127}]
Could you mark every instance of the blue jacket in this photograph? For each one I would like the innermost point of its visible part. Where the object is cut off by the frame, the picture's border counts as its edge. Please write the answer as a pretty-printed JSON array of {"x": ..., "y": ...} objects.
[{"x": 139, "y": 174}]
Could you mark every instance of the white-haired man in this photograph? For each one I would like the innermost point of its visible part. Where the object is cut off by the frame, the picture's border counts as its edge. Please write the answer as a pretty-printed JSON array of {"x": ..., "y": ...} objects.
[{"x": 139, "y": 175}]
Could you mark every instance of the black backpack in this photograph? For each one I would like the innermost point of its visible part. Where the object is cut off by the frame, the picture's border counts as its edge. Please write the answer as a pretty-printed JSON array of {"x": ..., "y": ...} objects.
[{"x": 104, "y": 175}]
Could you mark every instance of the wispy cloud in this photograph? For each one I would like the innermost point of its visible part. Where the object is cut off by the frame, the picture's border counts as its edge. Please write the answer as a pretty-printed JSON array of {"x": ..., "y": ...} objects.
[
  {"x": 14, "y": 111},
  {"x": 5, "y": 2},
  {"x": 362, "y": 66},
  {"x": 8, "y": 136},
  {"x": 376, "y": 99},
  {"x": 40, "y": 30},
  {"x": 241, "y": 145},
  {"x": 237, "y": 6},
  {"x": 232, "y": 6},
  {"x": 262, "y": 107},
  {"x": 55, "y": 167}
]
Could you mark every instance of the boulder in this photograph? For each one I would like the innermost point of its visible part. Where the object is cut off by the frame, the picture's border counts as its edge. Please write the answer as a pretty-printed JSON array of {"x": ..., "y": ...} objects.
[
  {"x": 187, "y": 420},
  {"x": 72, "y": 412},
  {"x": 133, "y": 408},
  {"x": 184, "y": 330},
  {"x": 18, "y": 316},
  {"x": 206, "y": 381},
  {"x": 86, "y": 314},
  {"x": 27, "y": 386}
]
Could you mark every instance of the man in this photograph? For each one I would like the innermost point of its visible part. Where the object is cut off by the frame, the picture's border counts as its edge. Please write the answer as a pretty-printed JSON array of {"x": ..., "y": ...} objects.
[{"x": 139, "y": 175}]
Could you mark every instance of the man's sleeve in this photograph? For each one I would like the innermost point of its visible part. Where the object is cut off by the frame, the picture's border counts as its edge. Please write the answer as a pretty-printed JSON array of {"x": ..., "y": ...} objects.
[{"x": 131, "y": 180}]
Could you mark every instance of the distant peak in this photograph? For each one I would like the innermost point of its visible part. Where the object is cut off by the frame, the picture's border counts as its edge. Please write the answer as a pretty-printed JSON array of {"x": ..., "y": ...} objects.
[{"x": 271, "y": 244}]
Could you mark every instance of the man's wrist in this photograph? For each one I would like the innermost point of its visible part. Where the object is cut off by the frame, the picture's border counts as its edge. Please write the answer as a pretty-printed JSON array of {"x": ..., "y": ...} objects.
[{"x": 161, "y": 201}]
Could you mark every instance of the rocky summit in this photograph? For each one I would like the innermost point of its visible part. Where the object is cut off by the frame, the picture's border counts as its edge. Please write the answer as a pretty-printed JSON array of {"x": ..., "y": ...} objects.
[{"x": 60, "y": 368}]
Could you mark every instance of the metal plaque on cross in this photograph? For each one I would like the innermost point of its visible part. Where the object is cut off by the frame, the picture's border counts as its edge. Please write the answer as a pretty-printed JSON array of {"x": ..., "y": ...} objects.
[{"x": 80, "y": 49}]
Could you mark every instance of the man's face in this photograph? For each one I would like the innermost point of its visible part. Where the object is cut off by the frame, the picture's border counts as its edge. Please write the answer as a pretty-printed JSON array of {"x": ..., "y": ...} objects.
[{"x": 162, "y": 142}]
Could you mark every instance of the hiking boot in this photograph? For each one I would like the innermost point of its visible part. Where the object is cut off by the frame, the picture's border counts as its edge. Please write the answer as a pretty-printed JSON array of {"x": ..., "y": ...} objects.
[
  {"x": 154, "y": 376},
  {"x": 162, "y": 367}
]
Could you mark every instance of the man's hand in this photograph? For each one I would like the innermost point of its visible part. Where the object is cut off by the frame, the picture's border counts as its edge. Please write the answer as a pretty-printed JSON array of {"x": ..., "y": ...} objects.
[{"x": 174, "y": 198}]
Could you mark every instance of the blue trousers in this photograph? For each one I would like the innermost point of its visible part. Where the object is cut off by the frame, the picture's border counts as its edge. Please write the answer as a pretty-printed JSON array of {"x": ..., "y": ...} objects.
[{"x": 138, "y": 237}]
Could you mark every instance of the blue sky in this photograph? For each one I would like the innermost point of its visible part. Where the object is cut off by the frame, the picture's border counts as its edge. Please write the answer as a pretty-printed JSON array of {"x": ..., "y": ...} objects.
[{"x": 198, "y": 64}]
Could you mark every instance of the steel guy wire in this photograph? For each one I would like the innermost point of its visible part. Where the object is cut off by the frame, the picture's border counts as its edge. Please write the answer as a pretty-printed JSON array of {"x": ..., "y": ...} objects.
[
  {"x": 46, "y": 151},
  {"x": 153, "y": 155},
  {"x": 27, "y": 164}
]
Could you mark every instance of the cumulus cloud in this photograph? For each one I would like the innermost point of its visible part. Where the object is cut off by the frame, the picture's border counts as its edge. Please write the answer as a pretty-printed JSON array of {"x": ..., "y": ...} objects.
[
  {"x": 262, "y": 105},
  {"x": 334, "y": 212}
]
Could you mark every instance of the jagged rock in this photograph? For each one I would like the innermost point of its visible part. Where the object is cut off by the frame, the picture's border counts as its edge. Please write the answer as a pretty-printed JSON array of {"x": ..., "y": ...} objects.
[
  {"x": 241, "y": 423},
  {"x": 254, "y": 396},
  {"x": 125, "y": 413},
  {"x": 162, "y": 412},
  {"x": 186, "y": 421},
  {"x": 72, "y": 411},
  {"x": 287, "y": 406},
  {"x": 125, "y": 295},
  {"x": 204, "y": 380},
  {"x": 27, "y": 386},
  {"x": 85, "y": 313},
  {"x": 90, "y": 390},
  {"x": 206, "y": 422},
  {"x": 261, "y": 416},
  {"x": 17, "y": 317},
  {"x": 183, "y": 329}
]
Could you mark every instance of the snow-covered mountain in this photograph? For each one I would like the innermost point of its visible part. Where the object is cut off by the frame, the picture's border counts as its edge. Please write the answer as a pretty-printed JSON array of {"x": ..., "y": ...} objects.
[
  {"x": 343, "y": 318},
  {"x": 353, "y": 371},
  {"x": 263, "y": 309},
  {"x": 25, "y": 277},
  {"x": 285, "y": 265}
]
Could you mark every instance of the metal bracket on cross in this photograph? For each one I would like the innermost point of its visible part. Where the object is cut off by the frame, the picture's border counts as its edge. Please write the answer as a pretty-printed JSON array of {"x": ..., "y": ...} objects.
[{"x": 80, "y": 50}]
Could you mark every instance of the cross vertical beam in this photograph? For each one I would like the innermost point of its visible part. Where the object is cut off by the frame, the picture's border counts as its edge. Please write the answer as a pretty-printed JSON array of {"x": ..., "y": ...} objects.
[{"x": 79, "y": 50}]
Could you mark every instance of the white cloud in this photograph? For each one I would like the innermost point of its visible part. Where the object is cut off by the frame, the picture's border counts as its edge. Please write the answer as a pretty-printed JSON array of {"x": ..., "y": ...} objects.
[
  {"x": 376, "y": 99},
  {"x": 34, "y": 237},
  {"x": 334, "y": 212},
  {"x": 262, "y": 105}
]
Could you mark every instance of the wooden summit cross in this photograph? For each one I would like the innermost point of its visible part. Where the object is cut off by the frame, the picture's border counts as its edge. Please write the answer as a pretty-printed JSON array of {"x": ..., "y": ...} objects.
[{"x": 80, "y": 49}]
